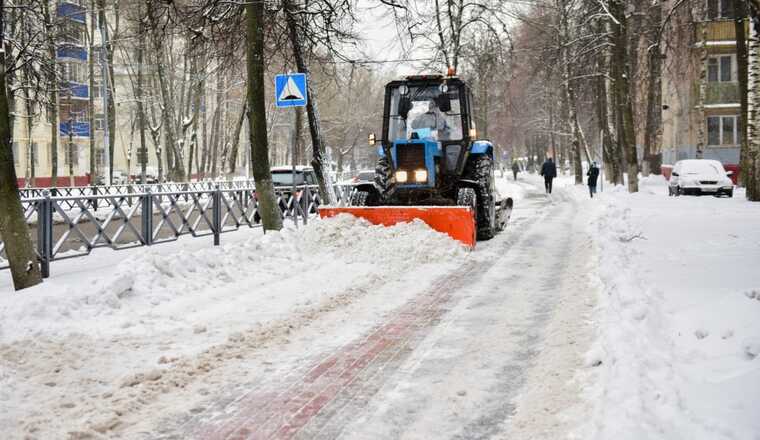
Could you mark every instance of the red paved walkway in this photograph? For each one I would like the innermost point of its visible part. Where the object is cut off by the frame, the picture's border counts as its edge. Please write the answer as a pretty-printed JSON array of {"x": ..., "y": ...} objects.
[{"x": 282, "y": 413}]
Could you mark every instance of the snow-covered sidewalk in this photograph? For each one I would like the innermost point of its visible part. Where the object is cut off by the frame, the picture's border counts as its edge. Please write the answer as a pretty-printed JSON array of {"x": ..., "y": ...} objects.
[{"x": 679, "y": 317}]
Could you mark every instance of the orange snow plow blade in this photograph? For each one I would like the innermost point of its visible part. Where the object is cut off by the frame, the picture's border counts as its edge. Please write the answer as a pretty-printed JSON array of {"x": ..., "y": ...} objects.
[{"x": 456, "y": 221}]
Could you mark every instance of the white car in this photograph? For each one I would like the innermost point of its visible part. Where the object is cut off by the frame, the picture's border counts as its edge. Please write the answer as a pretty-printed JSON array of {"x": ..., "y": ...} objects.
[{"x": 700, "y": 176}]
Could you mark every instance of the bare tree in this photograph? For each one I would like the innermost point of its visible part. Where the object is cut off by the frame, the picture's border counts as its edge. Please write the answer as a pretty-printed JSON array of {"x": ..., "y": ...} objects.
[
  {"x": 752, "y": 156},
  {"x": 25, "y": 270}
]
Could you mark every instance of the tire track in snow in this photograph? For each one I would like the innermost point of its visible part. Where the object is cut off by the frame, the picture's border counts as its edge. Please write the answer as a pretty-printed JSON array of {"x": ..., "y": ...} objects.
[
  {"x": 341, "y": 377},
  {"x": 434, "y": 395}
]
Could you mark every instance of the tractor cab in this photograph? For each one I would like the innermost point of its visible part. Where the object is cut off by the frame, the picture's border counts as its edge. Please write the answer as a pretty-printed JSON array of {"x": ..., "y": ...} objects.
[{"x": 427, "y": 130}]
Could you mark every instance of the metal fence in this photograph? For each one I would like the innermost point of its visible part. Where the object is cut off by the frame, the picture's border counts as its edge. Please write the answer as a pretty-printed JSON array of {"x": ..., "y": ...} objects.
[
  {"x": 72, "y": 225},
  {"x": 134, "y": 188}
]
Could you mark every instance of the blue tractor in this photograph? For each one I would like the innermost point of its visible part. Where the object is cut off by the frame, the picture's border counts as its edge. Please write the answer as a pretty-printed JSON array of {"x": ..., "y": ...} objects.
[{"x": 429, "y": 154}]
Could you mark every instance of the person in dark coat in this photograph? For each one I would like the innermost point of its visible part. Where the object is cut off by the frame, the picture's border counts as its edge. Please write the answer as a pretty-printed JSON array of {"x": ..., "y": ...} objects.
[
  {"x": 549, "y": 171},
  {"x": 515, "y": 168},
  {"x": 593, "y": 176}
]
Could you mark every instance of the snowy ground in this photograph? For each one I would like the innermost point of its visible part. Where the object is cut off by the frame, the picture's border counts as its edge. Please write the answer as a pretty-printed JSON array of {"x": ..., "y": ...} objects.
[
  {"x": 679, "y": 317},
  {"x": 619, "y": 317}
]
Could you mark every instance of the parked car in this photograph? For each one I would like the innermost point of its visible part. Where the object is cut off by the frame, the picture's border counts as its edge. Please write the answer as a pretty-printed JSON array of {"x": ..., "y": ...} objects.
[
  {"x": 364, "y": 176},
  {"x": 283, "y": 176},
  {"x": 282, "y": 179},
  {"x": 119, "y": 178},
  {"x": 700, "y": 176}
]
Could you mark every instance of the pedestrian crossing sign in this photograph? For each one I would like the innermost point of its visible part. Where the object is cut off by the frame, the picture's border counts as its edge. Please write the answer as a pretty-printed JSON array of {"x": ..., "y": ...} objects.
[{"x": 290, "y": 90}]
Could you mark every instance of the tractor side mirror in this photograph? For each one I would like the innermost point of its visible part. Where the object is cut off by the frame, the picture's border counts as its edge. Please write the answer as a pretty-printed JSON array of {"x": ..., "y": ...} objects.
[
  {"x": 729, "y": 173},
  {"x": 444, "y": 102},
  {"x": 404, "y": 105},
  {"x": 372, "y": 139}
]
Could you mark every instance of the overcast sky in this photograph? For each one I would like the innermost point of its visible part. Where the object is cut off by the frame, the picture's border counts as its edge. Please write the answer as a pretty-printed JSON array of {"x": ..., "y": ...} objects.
[{"x": 380, "y": 37}]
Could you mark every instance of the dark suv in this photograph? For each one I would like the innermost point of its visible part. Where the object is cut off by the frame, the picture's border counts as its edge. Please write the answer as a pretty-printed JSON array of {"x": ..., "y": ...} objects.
[
  {"x": 283, "y": 176},
  {"x": 282, "y": 179}
]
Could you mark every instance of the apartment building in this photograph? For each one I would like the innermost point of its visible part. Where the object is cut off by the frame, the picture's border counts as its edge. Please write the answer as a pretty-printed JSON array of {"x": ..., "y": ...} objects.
[
  {"x": 33, "y": 157},
  {"x": 700, "y": 88}
]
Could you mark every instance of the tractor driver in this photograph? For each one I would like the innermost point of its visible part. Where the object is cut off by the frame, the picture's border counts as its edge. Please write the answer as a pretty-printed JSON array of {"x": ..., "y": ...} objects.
[{"x": 432, "y": 119}]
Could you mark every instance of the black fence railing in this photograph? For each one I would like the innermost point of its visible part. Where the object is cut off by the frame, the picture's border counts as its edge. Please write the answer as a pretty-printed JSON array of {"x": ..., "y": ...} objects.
[{"x": 68, "y": 226}]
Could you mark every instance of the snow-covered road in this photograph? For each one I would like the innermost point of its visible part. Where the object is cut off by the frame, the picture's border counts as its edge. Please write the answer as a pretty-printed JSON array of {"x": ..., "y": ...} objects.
[{"x": 338, "y": 331}]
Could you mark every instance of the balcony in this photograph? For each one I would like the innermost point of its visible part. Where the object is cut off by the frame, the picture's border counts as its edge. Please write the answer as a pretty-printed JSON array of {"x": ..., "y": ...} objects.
[
  {"x": 72, "y": 10},
  {"x": 71, "y": 52},
  {"x": 720, "y": 32},
  {"x": 722, "y": 93},
  {"x": 78, "y": 129}
]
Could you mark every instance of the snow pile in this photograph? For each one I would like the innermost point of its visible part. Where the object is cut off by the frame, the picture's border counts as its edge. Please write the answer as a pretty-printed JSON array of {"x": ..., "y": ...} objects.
[
  {"x": 414, "y": 242},
  {"x": 150, "y": 288},
  {"x": 679, "y": 334}
]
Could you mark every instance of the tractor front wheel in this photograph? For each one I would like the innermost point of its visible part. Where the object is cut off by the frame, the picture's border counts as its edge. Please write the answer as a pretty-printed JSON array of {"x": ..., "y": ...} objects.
[
  {"x": 383, "y": 176},
  {"x": 480, "y": 169},
  {"x": 467, "y": 197},
  {"x": 359, "y": 198}
]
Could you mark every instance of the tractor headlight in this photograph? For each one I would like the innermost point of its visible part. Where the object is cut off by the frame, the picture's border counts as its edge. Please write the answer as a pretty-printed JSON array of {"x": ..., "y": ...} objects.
[
  {"x": 420, "y": 176},
  {"x": 401, "y": 176}
]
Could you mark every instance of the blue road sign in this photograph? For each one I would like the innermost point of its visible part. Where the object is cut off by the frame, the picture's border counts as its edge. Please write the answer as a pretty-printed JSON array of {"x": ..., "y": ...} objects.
[{"x": 290, "y": 90}]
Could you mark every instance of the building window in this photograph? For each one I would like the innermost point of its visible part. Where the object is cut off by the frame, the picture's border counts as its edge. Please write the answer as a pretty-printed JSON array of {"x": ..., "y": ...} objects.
[
  {"x": 14, "y": 147},
  {"x": 71, "y": 153},
  {"x": 99, "y": 122},
  {"x": 72, "y": 32},
  {"x": 723, "y": 130},
  {"x": 720, "y": 68},
  {"x": 74, "y": 72},
  {"x": 100, "y": 158},
  {"x": 720, "y": 9}
]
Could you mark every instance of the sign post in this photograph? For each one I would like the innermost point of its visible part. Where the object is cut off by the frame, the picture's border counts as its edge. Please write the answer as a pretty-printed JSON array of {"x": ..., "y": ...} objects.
[{"x": 290, "y": 91}]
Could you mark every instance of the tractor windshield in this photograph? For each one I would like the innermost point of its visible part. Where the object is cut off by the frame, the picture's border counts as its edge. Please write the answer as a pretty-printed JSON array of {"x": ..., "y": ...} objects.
[{"x": 429, "y": 111}]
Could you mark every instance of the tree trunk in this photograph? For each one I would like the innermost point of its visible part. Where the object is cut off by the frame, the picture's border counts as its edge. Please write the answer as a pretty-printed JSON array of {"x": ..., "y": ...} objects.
[
  {"x": 653, "y": 123},
  {"x": 176, "y": 166},
  {"x": 140, "y": 104},
  {"x": 702, "y": 94},
  {"x": 268, "y": 210},
  {"x": 91, "y": 100},
  {"x": 110, "y": 89},
  {"x": 620, "y": 57},
  {"x": 199, "y": 71},
  {"x": 326, "y": 190},
  {"x": 52, "y": 83},
  {"x": 300, "y": 144},
  {"x": 19, "y": 249},
  {"x": 752, "y": 158},
  {"x": 205, "y": 144},
  {"x": 741, "y": 13},
  {"x": 216, "y": 127},
  {"x": 155, "y": 134},
  {"x": 29, "y": 109},
  {"x": 235, "y": 141}
]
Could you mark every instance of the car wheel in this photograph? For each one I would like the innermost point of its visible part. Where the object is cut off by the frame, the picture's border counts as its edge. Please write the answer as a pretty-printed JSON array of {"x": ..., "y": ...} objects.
[
  {"x": 677, "y": 191},
  {"x": 670, "y": 191},
  {"x": 731, "y": 194}
]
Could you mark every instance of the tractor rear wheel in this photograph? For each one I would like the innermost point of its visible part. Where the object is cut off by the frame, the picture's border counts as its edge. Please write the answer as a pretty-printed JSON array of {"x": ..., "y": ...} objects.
[{"x": 480, "y": 169}]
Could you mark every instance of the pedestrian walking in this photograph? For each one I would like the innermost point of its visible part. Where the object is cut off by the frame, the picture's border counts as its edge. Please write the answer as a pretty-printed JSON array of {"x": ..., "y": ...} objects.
[
  {"x": 593, "y": 176},
  {"x": 515, "y": 168},
  {"x": 549, "y": 171}
]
